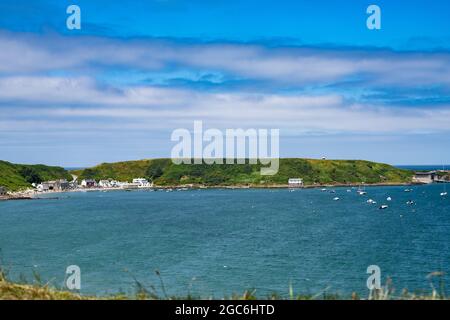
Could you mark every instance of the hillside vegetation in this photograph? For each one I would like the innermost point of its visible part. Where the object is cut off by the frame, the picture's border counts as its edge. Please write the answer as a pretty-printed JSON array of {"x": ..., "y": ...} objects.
[
  {"x": 19, "y": 176},
  {"x": 314, "y": 172}
]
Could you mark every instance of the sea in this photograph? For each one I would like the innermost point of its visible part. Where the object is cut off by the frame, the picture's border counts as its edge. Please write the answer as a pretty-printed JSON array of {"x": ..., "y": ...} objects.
[
  {"x": 424, "y": 167},
  {"x": 213, "y": 243}
]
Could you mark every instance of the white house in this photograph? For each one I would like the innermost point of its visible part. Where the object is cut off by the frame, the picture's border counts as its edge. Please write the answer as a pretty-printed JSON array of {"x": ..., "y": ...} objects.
[
  {"x": 88, "y": 183},
  {"x": 57, "y": 185},
  {"x": 142, "y": 183},
  {"x": 105, "y": 184},
  {"x": 295, "y": 183}
]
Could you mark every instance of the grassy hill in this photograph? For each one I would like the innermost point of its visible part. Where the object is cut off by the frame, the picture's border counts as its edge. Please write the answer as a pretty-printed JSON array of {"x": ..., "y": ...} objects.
[
  {"x": 164, "y": 172},
  {"x": 19, "y": 176}
]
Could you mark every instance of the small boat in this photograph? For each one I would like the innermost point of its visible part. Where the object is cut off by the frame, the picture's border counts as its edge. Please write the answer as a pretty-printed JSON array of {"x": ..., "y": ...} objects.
[
  {"x": 408, "y": 190},
  {"x": 333, "y": 191},
  {"x": 361, "y": 191},
  {"x": 336, "y": 199},
  {"x": 410, "y": 202},
  {"x": 349, "y": 190},
  {"x": 384, "y": 206},
  {"x": 443, "y": 194},
  {"x": 323, "y": 189},
  {"x": 371, "y": 201},
  {"x": 389, "y": 199}
]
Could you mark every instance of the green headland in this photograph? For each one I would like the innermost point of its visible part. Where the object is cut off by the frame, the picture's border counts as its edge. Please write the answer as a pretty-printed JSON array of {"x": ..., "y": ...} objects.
[
  {"x": 313, "y": 172},
  {"x": 163, "y": 172},
  {"x": 16, "y": 177}
]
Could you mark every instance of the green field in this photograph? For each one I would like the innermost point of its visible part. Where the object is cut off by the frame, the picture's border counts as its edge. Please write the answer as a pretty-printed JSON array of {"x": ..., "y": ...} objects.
[
  {"x": 313, "y": 172},
  {"x": 19, "y": 176}
]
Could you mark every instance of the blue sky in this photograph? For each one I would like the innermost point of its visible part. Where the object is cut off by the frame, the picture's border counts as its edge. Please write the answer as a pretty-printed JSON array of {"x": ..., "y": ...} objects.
[{"x": 136, "y": 71}]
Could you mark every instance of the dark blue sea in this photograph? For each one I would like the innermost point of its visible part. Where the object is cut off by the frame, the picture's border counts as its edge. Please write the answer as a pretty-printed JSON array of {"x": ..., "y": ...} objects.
[{"x": 215, "y": 242}]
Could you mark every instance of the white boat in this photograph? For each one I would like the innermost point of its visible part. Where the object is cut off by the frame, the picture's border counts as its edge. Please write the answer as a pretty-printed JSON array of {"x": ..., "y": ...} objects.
[
  {"x": 443, "y": 194},
  {"x": 384, "y": 206},
  {"x": 408, "y": 190},
  {"x": 389, "y": 199},
  {"x": 371, "y": 201},
  {"x": 336, "y": 199},
  {"x": 361, "y": 191},
  {"x": 410, "y": 202}
]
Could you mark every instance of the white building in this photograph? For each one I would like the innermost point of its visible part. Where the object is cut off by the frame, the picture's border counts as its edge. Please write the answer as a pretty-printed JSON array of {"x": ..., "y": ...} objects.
[
  {"x": 295, "y": 183},
  {"x": 104, "y": 184},
  {"x": 425, "y": 177},
  {"x": 142, "y": 183},
  {"x": 128, "y": 186},
  {"x": 88, "y": 183},
  {"x": 58, "y": 185}
]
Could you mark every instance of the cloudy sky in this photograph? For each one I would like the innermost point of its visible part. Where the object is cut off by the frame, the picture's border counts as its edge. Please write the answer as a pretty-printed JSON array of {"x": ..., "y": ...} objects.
[{"x": 117, "y": 88}]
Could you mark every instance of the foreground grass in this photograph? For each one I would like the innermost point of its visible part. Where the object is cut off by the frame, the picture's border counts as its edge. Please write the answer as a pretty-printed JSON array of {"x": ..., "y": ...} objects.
[{"x": 15, "y": 291}]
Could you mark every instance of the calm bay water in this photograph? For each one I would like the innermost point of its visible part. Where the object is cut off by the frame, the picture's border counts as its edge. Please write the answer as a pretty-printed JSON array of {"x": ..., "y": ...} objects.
[{"x": 216, "y": 242}]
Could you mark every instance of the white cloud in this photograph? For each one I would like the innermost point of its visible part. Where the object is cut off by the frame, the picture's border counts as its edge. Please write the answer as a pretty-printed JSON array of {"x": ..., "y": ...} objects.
[
  {"x": 50, "y": 103},
  {"x": 27, "y": 54},
  {"x": 47, "y": 84}
]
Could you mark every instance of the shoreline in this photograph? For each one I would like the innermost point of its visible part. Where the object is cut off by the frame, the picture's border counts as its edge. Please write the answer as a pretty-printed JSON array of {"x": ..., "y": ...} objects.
[{"x": 31, "y": 194}]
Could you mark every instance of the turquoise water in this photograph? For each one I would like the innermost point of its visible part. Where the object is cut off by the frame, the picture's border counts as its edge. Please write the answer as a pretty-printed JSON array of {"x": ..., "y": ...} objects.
[{"x": 216, "y": 242}]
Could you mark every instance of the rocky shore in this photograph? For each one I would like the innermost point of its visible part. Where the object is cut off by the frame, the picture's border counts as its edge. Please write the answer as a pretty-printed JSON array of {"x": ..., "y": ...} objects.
[{"x": 22, "y": 195}]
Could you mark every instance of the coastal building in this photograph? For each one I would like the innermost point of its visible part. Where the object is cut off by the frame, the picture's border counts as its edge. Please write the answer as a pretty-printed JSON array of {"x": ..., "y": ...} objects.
[
  {"x": 2, "y": 191},
  {"x": 88, "y": 183},
  {"x": 295, "y": 183},
  {"x": 73, "y": 184},
  {"x": 142, "y": 183},
  {"x": 115, "y": 184},
  {"x": 129, "y": 186},
  {"x": 105, "y": 184},
  {"x": 57, "y": 185},
  {"x": 425, "y": 177}
]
